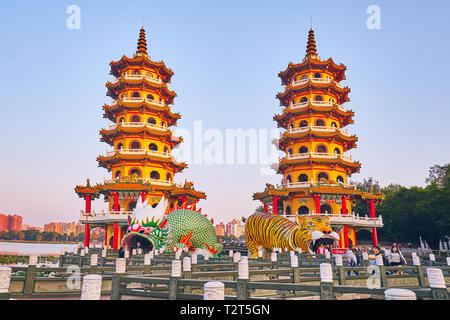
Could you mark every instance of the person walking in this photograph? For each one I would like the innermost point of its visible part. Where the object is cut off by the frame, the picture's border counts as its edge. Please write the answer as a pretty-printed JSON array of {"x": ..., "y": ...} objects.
[{"x": 352, "y": 259}]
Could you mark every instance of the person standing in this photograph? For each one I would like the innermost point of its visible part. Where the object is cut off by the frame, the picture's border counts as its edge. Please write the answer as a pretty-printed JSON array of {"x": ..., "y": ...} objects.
[
  {"x": 396, "y": 258},
  {"x": 352, "y": 259}
]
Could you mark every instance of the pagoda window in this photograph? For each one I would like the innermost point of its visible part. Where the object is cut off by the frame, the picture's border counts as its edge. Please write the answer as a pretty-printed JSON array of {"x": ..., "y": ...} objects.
[
  {"x": 121, "y": 120},
  {"x": 136, "y": 72},
  {"x": 303, "y": 210},
  {"x": 150, "y": 97},
  {"x": 168, "y": 177},
  {"x": 163, "y": 124},
  {"x": 304, "y": 99},
  {"x": 318, "y": 98},
  {"x": 123, "y": 96},
  {"x": 340, "y": 179},
  {"x": 331, "y": 100},
  {"x": 304, "y": 77},
  {"x": 288, "y": 211},
  {"x": 322, "y": 175},
  {"x": 291, "y": 126},
  {"x": 290, "y": 151},
  {"x": 317, "y": 75},
  {"x": 325, "y": 208},
  {"x": 135, "y": 119},
  {"x": 153, "y": 147},
  {"x": 166, "y": 150},
  {"x": 321, "y": 149},
  {"x": 151, "y": 120},
  {"x": 303, "y": 178},
  {"x": 154, "y": 175},
  {"x": 303, "y": 149},
  {"x": 320, "y": 123},
  {"x": 136, "y": 95},
  {"x": 135, "y": 145},
  {"x": 292, "y": 102},
  {"x": 119, "y": 146},
  {"x": 337, "y": 151},
  {"x": 135, "y": 172},
  {"x": 289, "y": 179},
  {"x": 303, "y": 123},
  {"x": 334, "y": 125},
  {"x": 118, "y": 174},
  {"x": 149, "y": 74}
]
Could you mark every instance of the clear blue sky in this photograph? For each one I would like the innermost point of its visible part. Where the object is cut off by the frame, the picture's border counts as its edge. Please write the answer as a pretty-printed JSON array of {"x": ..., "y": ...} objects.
[{"x": 226, "y": 56}]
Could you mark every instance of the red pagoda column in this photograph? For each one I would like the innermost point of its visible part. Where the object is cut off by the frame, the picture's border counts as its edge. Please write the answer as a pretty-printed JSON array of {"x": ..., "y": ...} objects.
[
  {"x": 116, "y": 201},
  {"x": 275, "y": 205},
  {"x": 116, "y": 235},
  {"x": 265, "y": 207},
  {"x": 143, "y": 194},
  {"x": 374, "y": 229},
  {"x": 344, "y": 212},
  {"x": 106, "y": 236},
  {"x": 88, "y": 203},
  {"x": 317, "y": 202},
  {"x": 86, "y": 235}
]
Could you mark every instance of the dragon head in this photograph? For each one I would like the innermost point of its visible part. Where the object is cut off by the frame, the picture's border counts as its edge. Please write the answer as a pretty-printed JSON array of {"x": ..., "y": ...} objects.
[
  {"x": 147, "y": 226},
  {"x": 312, "y": 231}
]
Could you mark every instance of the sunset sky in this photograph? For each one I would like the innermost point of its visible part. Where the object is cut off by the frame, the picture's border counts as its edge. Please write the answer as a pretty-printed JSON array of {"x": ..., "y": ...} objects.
[{"x": 226, "y": 57}]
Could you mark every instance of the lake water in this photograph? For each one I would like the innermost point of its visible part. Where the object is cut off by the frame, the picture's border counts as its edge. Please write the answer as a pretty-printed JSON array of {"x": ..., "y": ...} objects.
[{"x": 37, "y": 248}]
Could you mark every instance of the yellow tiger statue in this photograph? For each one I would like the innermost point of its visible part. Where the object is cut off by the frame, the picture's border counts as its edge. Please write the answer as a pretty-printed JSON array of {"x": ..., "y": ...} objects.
[{"x": 264, "y": 230}]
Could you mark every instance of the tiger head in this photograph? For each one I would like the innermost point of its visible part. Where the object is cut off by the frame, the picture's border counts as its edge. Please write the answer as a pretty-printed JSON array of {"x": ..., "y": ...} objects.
[{"x": 312, "y": 231}]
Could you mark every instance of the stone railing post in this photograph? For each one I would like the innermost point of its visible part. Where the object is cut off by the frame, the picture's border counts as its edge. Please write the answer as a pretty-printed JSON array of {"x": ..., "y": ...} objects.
[
  {"x": 399, "y": 294},
  {"x": 326, "y": 281},
  {"x": 187, "y": 273},
  {"x": 432, "y": 259},
  {"x": 5, "y": 280},
  {"x": 194, "y": 262},
  {"x": 30, "y": 277},
  {"x": 380, "y": 264},
  {"x": 437, "y": 284},
  {"x": 147, "y": 263},
  {"x": 236, "y": 259},
  {"x": 121, "y": 265},
  {"x": 94, "y": 262},
  {"x": 243, "y": 278},
  {"x": 62, "y": 257},
  {"x": 214, "y": 290},
  {"x": 273, "y": 259},
  {"x": 174, "y": 277},
  {"x": 92, "y": 287},
  {"x": 339, "y": 264}
]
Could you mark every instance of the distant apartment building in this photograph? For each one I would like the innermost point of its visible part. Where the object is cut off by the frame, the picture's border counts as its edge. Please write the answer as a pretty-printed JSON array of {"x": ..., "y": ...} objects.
[
  {"x": 10, "y": 222},
  {"x": 233, "y": 228},
  {"x": 220, "y": 229},
  {"x": 64, "y": 228}
]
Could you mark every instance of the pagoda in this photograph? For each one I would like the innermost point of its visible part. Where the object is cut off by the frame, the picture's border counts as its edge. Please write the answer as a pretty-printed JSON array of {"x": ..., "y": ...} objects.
[
  {"x": 315, "y": 168},
  {"x": 140, "y": 161}
]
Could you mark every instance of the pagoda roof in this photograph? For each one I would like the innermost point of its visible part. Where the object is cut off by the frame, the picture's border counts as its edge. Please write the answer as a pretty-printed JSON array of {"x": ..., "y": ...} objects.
[
  {"x": 106, "y": 161},
  {"x": 348, "y": 142},
  {"x": 344, "y": 116},
  {"x": 350, "y": 166},
  {"x": 340, "y": 93},
  {"x": 112, "y": 110},
  {"x": 115, "y": 87},
  {"x": 187, "y": 189},
  {"x": 108, "y": 135},
  {"x": 271, "y": 191},
  {"x": 142, "y": 61},
  {"x": 338, "y": 71},
  {"x": 87, "y": 190}
]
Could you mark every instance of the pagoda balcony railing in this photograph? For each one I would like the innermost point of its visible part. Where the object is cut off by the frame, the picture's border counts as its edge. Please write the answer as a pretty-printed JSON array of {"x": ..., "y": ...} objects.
[
  {"x": 344, "y": 219},
  {"x": 315, "y": 183},
  {"x": 319, "y": 129},
  {"x": 138, "y": 152},
  {"x": 142, "y": 99},
  {"x": 301, "y": 105},
  {"x": 314, "y": 80},
  {"x": 105, "y": 216},
  {"x": 137, "y": 125},
  {"x": 148, "y": 180},
  {"x": 321, "y": 155},
  {"x": 139, "y": 77}
]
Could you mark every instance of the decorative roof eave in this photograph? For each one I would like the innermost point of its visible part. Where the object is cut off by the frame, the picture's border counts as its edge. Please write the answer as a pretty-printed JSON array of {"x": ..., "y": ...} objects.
[
  {"x": 352, "y": 167},
  {"x": 372, "y": 196},
  {"x": 187, "y": 192},
  {"x": 105, "y": 161},
  {"x": 348, "y": 142},
  {"x": 124, "y": 62},
  {"x": 111, "y": 110},
  {"x": 344, "y": 116},
  {"x": 340, "y": 93},
  {"x": 87, "y": 190},
  {"x": 108, "y": 135},
  {"x": 292, "y": 69},
  {"x": 116, "y": 87},
  {"x": 271, "y": 191}
]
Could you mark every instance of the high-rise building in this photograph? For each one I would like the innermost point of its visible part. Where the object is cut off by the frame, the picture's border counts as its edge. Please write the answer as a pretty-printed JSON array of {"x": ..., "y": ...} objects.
[{"x": 14, "y": 223}]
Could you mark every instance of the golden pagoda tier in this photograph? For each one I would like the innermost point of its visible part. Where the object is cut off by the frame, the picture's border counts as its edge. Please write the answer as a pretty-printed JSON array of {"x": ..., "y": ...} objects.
[
  {"x": 315, "y": 169},
  {"x": 141, "y": 165}
]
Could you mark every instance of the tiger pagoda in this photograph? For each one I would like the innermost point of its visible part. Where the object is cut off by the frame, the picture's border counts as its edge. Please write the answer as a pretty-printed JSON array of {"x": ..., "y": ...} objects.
[
  {"x": 140, "y": 162},
  {"x": 315, "y": 168}
]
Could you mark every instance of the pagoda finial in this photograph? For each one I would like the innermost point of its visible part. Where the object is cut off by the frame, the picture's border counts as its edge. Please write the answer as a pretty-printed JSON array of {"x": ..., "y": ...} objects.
[
  {"x": 311, "y": 49},
  {"x": 142, "y": 43}
]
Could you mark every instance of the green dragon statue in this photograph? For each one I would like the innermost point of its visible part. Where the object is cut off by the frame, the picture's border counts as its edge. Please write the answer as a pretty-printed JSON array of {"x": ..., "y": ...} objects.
[{"x": 181, "y": 227}]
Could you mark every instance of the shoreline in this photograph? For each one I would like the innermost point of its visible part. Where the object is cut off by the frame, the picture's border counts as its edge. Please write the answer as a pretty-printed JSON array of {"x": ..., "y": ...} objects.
[{"x": 29, "y": 241}]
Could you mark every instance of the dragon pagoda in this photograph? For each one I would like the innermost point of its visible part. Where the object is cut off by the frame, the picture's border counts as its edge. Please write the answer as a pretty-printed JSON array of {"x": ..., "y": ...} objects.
[{"x": 140, "y": 162}]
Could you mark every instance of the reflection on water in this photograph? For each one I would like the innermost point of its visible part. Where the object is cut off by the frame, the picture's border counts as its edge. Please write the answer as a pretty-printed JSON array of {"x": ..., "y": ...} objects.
[{"x": 38, "y": 248}]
